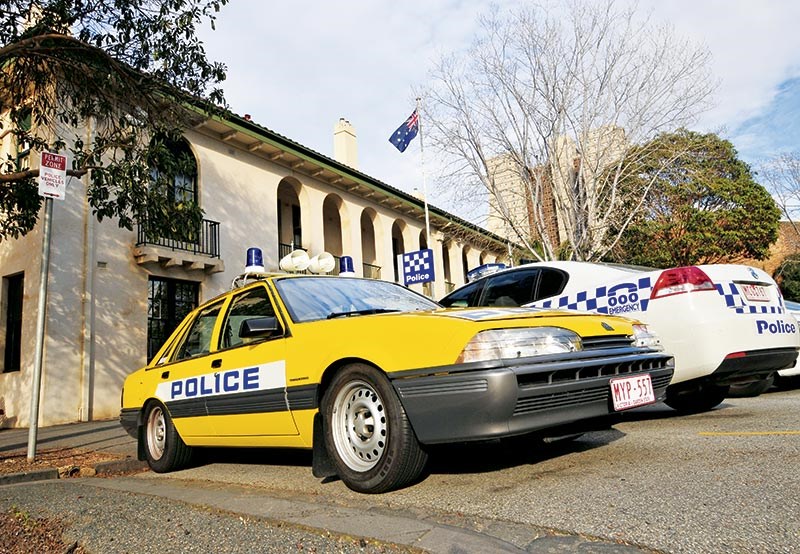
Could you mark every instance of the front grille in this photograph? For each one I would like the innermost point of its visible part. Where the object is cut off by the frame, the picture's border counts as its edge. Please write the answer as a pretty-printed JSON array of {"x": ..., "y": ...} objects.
[
  {"x": 591, "y": 368},
  {"x": 564, "y": 399},
  {"x": 607, "y": 341}
]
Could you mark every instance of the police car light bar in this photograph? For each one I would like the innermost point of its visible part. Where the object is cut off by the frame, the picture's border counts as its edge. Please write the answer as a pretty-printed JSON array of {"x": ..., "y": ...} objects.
[{"x": 484, "y": 270}]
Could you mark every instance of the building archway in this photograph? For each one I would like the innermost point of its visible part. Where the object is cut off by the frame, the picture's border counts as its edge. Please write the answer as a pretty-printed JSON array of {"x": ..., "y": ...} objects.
[
  {"x": 369, "y": 252},
  {"x": 332, "y": 224},
  {"x": 398, "y": 244},
  {"x": 465, "y": 261},
  {"x": 290, "y": 227}
]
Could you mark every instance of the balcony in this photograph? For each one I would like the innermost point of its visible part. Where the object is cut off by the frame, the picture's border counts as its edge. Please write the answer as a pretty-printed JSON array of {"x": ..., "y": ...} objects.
[
  {"x": 372, "y": 271},
  {"x": 195, "y": 253}
]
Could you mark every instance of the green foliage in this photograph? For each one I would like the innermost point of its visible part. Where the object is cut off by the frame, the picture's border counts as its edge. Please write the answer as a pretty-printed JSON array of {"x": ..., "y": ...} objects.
[
  {"x": 788, "y": 277},
  {"x": 98, "y": 79},
  {"x": 702, "y": 205}
]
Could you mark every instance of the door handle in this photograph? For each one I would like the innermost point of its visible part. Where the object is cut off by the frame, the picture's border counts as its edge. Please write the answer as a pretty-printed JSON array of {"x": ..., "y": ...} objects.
[
  {"x": 216, "y": 364},
  {"x": 165, "y": 375}
]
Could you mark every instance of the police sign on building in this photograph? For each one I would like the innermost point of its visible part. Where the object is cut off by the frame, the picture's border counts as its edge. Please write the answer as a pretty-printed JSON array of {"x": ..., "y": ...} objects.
[{"x": 417, "y": 267}]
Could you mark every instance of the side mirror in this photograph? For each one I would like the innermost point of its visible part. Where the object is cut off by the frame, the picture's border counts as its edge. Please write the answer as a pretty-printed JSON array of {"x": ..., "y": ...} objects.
[{"x": 258, "y": 327}]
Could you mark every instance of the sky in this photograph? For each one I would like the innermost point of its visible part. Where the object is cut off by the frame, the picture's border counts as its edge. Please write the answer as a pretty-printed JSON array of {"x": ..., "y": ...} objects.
[{"x": 297, "y": 67}]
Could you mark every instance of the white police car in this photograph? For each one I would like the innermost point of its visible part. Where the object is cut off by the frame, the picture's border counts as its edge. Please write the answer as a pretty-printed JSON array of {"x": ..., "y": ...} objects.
[
  {"x": 784, "y": 378},
  {"x": 725, "y": 324}
]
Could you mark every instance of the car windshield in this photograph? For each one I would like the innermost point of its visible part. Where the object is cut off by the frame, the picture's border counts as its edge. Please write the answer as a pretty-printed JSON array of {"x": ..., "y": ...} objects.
[{"x": 315, "y": 298}]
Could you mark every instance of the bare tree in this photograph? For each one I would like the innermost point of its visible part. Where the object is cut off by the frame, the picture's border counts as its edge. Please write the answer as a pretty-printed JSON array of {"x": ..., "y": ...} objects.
[
  {"x": 538, "y": 119},
  {"x": 781, "y": 176}
]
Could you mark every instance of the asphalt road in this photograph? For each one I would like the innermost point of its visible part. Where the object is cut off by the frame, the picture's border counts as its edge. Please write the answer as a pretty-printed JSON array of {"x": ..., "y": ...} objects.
[
  {"x": 721, "y": 482},
  {"x": 727, "y": 481}
]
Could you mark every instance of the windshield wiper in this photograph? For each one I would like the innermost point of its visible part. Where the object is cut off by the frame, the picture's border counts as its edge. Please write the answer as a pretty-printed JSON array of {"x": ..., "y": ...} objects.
[{"x": 368, "y": 311}]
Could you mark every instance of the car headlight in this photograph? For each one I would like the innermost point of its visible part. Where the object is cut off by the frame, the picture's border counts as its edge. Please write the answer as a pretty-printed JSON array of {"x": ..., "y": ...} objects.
[
  {"x": 643, "y": 337},
  {"x": 521, "y": 342}
]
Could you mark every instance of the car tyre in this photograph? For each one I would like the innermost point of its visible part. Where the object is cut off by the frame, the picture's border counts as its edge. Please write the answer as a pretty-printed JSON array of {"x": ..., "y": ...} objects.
[
  {"x": 163, "y": 446},
  {"x": 695, "y": 399},
  {"x": 756, "y": 388},
  {"x": 367, "y": 432}
]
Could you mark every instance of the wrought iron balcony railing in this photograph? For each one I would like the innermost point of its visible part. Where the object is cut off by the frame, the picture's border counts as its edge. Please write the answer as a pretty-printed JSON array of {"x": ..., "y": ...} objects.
[
  {"x": 204, "y": 240},
  {"x": 372, "y": 271}
]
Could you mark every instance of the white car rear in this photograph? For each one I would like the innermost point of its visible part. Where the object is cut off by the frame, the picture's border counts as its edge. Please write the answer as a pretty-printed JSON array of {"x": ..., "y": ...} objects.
[
  {"x": 724, "y": 324},
  {"x": 794, "y": 309}
]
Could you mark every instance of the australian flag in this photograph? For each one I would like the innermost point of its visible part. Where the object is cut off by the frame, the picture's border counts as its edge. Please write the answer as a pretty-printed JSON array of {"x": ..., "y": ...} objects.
[{"x": 406, "y": 132}]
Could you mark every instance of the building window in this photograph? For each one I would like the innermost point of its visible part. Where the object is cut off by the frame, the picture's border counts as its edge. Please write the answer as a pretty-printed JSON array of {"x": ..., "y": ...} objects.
[
  {"x": 13, "y": 288},
  {"x": 168, "y": 302},
  {"x": 174, "y": 165},
  {"x": 173, "y": 175}
]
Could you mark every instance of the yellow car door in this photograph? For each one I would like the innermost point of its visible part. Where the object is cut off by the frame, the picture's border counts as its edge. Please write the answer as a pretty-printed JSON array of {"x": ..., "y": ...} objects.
[
  {"x": 249, "y": 400},
  {"x": 182, "y": 380}
]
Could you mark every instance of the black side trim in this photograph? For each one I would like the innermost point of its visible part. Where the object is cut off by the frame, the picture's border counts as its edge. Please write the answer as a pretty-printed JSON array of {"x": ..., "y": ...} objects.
[
  {"x": 247, "y": 403},
  {"x": 303, "y": 397},
  {"x": 299, "y": 398},
  {"x": 194, "y": 407},
  {"x": 230, "y": 404}
]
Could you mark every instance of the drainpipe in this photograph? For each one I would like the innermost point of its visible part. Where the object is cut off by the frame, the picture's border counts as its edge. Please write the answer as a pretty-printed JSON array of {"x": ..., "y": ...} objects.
[{"x": 87, "y": 337}]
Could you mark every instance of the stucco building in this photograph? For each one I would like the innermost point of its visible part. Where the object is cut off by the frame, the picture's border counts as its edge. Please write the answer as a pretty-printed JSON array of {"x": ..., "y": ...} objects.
[{"x": 114, "y": 294}]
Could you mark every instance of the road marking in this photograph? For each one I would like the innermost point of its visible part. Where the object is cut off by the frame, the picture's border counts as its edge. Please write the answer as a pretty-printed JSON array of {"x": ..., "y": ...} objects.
[{"x": 746, "y": 433}]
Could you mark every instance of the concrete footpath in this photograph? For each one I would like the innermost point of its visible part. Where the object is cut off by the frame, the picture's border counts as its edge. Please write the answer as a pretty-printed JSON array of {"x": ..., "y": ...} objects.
[{"x": 429, "y": 532}]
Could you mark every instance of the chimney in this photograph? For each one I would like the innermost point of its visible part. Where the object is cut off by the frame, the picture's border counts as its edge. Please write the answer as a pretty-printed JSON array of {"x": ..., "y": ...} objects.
[{"x": 345, "y": 147}]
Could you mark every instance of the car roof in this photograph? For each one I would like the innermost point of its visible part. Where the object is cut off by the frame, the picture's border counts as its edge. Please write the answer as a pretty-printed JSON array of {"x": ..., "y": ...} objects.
[{"x": 595, "y": 269}]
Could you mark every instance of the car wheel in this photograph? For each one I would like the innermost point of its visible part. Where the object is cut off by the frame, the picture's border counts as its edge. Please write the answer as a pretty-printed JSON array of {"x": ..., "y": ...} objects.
[
  {"x": 367, "y": 432},
  {"x": 752, "y": 389},
  {"x": 695, "y": 399},
  {"x": 163, "y": 446}
]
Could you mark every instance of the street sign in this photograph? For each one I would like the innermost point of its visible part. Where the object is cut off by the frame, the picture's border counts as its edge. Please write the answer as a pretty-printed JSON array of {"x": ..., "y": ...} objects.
[
  {"x": 417, "y": 267},
  {"x": 53, "y": 176}
]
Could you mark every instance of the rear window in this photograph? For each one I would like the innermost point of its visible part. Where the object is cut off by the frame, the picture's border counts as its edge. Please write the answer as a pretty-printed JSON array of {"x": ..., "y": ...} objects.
[
  {"x": 514, "y": 288},
  {"x": 551, "y": 283}
]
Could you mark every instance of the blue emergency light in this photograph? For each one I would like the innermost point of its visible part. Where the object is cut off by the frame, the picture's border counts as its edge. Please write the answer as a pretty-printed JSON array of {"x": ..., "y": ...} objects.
[
  {"x": 346, "y": 266},
  {"x": 255, "y": 261}
]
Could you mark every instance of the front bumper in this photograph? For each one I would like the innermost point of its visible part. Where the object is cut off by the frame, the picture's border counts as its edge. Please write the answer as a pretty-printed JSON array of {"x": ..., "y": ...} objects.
[{"x": 511, "y": 397}]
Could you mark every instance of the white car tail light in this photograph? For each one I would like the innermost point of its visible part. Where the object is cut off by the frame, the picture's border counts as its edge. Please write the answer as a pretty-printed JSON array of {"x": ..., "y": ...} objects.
[{"x": 681, "y": 279}]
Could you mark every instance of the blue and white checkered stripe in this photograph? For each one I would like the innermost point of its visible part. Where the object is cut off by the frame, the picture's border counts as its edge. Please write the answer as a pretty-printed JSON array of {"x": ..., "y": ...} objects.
[
  {"x": 733, "y": 299},
  {"x": 625, "y": 297},
  {"x": 634, "y": 296}
]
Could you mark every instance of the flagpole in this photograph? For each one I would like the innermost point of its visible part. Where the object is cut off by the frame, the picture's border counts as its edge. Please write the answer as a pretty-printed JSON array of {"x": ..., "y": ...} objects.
[{"x": 424, "y": 180}]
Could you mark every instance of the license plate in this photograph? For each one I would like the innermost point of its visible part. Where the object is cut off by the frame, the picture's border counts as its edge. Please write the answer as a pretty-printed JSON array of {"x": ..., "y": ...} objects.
[
  {"x": 630, "y": 392},
  {"x": 755, "y": 293}
]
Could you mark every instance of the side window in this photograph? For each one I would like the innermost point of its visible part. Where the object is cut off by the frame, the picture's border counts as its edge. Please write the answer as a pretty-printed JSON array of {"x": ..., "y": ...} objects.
[
  {"x": 254, "y": 303},
  {"x": 514, "y": 288},
  {"x": 551, "y": 283},
  {"x": 198, "y": 339},
  {"x": 464, "y": 297}
]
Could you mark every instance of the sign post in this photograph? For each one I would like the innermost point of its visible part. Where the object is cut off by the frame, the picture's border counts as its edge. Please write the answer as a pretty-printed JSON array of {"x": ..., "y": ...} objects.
[{"x": 52, "y": 184}]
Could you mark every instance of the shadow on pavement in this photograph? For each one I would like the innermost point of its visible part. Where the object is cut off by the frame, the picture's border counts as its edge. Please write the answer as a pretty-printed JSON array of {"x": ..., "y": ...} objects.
[{"x": 479, "y": 457}]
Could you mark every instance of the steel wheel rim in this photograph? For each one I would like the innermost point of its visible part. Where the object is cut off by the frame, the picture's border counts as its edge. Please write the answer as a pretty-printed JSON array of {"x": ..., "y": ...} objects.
[
  {"x": 359, "y": 426},
  {"x": 156, "y": 433}
]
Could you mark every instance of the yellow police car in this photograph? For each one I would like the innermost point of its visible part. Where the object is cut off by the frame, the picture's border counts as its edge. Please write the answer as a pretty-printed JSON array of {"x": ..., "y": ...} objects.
[{"x": 368, "y": 373}]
